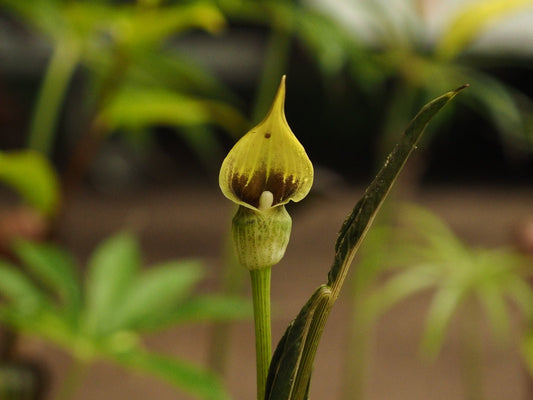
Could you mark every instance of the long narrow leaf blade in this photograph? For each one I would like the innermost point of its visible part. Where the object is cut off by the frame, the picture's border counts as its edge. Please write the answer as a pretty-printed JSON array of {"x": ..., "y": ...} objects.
[
  {"x": 30, "y": 174},
  {"x": 112, "y": 268},
  {"x": 443, "y": 306},
  {"x": 204, "y": 308},
  {"x": 21, "y": 295},
  {"x": 55, "y": 269},
  {"x": 156, "y": 293},
  {"x": 472, "y": 20},
  {"x": 187, "y": 377},
  {"x": 359, "y": 221},
  {"x": 287, "y": 359}
]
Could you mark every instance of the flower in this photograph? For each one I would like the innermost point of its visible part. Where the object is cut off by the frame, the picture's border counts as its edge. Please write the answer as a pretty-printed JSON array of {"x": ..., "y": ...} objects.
[{"x": 267, "y": 167}]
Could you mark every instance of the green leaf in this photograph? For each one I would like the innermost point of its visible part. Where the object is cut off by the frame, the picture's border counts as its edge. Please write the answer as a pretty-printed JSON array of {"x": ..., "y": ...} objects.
[
  {"x": 311, "y": 324},
  {"x": 22, "y": 295},
  {"x": 56, "y": 269},
  {"x": 444, "y": 303},
  {"x": 520, "y": 292},
  {"x": 206, "y": 308},
  {"x": 174, "y": 71},
  {"x": 112, "y": 268},
  {"x": 155, "y": 294},
  {"x": 32, "y": 177},
  {"x": 398, "y": 288},
  {"x": 157, "y": 24},
  {"x": 493, "y": 299},
  {"x": 202, "y": 140},
  {"x": 135, "y": 107},
  {"x": 359, "y": 221},
  {"x": 184, "y": 376},
  {"x": 527, "y": 351},
  {"x": 295, "y": 351},
  {"x": 471, "y": 21},
  {"x": 45, "y": 15},
  {"x": 213, "y": 308},
  {"x": 326, "y": 38},
  {"x": 505, "y": 107}
]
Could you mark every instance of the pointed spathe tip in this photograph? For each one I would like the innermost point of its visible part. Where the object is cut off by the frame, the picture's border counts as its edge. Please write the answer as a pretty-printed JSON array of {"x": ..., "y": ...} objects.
[
  {"x": 279, "y": 100},
  {"x": 278, "y": 105}
]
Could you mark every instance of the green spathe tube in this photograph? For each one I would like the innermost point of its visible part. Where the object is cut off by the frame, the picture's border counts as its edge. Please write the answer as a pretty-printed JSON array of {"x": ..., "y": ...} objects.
[{"x": 261, "y": 237}]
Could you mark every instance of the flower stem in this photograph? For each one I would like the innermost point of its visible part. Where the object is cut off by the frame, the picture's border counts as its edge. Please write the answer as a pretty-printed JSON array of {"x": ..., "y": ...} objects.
[
  {"x": 263, "y": 341},
  {"x": 58, "y": 74},
  {"x": 72, "y": 380},
  {"x": 471, "y": 353}
]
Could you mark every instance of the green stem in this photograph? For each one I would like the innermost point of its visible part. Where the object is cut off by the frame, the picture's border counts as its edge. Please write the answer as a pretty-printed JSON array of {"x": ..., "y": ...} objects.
[
  {"x": 358, "y": 351},
  {"x": 471, "y": 353},
  {"x": 88, "y": 144},
  {"x": 52, "y": 93},
  {"x": 263, "y": 339},
  {"x": 8, "y": 342},
  {"x": 73, "y": 378},
  {"x": 232, "y": 285}
]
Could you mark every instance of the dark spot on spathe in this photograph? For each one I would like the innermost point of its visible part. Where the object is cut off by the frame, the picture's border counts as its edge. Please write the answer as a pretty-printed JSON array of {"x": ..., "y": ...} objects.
[{"x": 267, "y": 135}]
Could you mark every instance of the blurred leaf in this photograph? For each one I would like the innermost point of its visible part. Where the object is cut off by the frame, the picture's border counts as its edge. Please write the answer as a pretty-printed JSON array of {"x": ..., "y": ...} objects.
[
  {"x": 45, "y": 15},
  {"x": 503, "y": 274},
  {"x": 372, "y": 257},
  {"x": 527, "y": 351},
  {"x": 498, "y": 101},
  {"x": 134, "y": 107},
  {"x": 493, "y": 299},
  {"x": 329, "y": 42},
  {"x": 501, "y": 104},
  {"x": 156, "y": 24},
  {"x": 155, "y": 294},
  {"x": 201, "y": 139},
  {"x": 430, "y": 255},
  {"x": 112, "y": 268},
  {"x": 206, "y": 308},
  {"x": 471, "y": 20},
  {"x": 439, "y": 243},
  {"x": 443, "y": 306},
  {"x": 521, "y": 293},
  {"x": 184, "y": 376},
  {"x": 31, "y": 175},
  {"x": 22, "y": 295},
  {"x": 402, "y": 285},
  {"x": 178, "y": 72},
  {"x": 56, "y": 269}
]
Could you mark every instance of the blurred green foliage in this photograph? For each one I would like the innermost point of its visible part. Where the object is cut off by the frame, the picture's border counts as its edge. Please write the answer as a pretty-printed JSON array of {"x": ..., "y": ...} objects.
[
  {"x": 103, "y": 315},
  {"x": 418, "y": 253},
  {"x": 31, "y": 175},
  {"x": 135, "y": 79},
  {"x": 122, "y": 47},
  {"x": 426, "y": 254}
]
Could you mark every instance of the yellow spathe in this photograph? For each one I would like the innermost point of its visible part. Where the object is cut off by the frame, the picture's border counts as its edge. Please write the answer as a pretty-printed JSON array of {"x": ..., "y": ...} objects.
[{"x": 268, "y": 158}]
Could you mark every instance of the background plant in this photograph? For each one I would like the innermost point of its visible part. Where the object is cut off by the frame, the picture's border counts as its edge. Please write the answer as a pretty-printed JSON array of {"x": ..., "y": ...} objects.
[
  {"x": 135, "y": 80},
  {"x": 104, "y": 315},
  {"x": 472, "y": 284}
]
